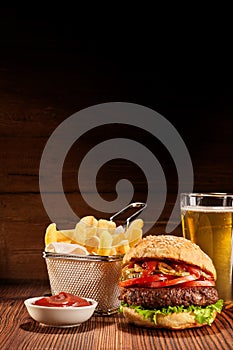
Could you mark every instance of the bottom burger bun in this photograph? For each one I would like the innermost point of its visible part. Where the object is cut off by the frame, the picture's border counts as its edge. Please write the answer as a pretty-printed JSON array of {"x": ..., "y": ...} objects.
[{"x": 178, "y": 320}]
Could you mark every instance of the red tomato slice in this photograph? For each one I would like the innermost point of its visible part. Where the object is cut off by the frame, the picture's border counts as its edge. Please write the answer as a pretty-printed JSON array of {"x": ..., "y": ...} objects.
[
  {"x": 142, "y": 280},
  {"x": 156, "y": 281},
  {"x": 171, "y": 282},
  {"x": 204, "y": 283}
]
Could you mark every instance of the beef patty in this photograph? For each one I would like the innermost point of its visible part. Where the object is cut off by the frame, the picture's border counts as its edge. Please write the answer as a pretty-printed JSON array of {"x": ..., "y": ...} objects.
[{"x": 151, "y": 298}]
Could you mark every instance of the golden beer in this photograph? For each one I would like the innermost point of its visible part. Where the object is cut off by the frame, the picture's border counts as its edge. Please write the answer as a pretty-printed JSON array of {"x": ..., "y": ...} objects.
[{"x": 211, "y": 228}]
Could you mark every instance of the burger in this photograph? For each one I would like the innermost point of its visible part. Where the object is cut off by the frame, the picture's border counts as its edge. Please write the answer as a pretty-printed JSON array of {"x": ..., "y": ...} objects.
[{"x": 168, "y": 282}]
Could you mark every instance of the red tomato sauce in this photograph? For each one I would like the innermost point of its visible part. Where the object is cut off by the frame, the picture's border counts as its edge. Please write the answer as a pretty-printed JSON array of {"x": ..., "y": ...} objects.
[{"x": 62, "y": 299}]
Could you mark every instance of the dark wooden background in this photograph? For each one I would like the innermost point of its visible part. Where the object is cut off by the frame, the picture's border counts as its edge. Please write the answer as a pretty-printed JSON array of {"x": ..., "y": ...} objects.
[{"x": 51, "y": 67}]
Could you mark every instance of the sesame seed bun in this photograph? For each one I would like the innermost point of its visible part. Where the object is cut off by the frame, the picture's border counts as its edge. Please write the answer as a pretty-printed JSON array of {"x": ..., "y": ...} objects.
[{"x": 170, "y": 247}]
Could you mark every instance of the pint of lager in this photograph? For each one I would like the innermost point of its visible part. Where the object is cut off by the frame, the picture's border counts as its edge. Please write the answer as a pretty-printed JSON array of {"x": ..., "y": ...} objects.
[{"x": 207, "y": 220}]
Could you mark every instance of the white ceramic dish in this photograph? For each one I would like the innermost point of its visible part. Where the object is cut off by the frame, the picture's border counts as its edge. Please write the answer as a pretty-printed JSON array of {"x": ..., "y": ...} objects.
[{"x": 60, "y": 316}]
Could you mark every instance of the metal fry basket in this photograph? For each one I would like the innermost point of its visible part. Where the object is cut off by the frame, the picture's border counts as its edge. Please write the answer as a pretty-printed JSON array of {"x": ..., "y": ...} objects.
[{"x": 90, "y": 276}]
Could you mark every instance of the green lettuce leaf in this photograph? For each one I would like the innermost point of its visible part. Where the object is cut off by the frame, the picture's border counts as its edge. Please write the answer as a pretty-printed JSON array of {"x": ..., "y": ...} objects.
[{"x": 202, "y": 314}]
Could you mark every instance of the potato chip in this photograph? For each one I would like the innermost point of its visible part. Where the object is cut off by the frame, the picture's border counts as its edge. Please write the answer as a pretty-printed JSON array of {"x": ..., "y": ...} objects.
[
  {"x": 122, "y": 247},
  {"x": 134, "y": 231},
  {"x": 85, "y": 228},
  {"x": 135, "y": 236},
  {"x": 136, "y": 223},
  {"x": 90, "y": 220},
  {"x": 53, "y": 235},
  {"x": 69, "y": 234},
  {"x": 112, "y": 251},
  {"x": 105, "y": 243},
  {"x": 92, "y": 244},
  {"x": 106, "y": 225},
  {"x": 117, "y": 238},
  {"x": 102, "y": 223},
  {"x": 100, "y": 237}
]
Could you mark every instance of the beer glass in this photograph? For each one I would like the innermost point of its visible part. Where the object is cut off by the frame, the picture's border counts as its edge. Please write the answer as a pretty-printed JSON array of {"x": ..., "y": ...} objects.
[{"x": 207, "y": 220}]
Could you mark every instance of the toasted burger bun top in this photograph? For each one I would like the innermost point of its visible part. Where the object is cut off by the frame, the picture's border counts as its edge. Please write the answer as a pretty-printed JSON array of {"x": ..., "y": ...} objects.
[{"x": 170, "y": 247}]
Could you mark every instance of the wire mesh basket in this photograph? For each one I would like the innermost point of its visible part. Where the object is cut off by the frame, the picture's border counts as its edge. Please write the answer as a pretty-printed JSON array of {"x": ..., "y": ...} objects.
[{"x": 90, "y": 276}]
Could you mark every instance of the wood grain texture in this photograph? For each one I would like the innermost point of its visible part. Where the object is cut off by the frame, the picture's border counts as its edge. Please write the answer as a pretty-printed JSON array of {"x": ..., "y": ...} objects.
[
  {"x": 23, "y": 225},
  {"x": 48, "y": 74},
  {"x": 19, "y": 331}
]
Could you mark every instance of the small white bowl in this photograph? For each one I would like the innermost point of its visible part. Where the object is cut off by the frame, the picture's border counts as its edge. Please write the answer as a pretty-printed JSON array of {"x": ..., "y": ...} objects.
[{"x": 60, "y": 316}]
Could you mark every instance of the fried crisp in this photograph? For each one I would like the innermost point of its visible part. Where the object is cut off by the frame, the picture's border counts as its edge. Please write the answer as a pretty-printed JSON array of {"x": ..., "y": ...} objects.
[
  {"x": 100, "y": 237},
  {"x": 53, "y": 235}
]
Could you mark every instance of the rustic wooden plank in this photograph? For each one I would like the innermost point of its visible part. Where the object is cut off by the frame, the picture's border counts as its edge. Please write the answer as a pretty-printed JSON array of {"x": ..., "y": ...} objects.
[
  {"x": 19, "y": 331},
  {"x": 20, "y": 162},
  {"x": 22, "y": 244},
  {"x": 28, "y": 208},
  {"x": 23, "y": 224},
  {"x": 26, "y": 124}
]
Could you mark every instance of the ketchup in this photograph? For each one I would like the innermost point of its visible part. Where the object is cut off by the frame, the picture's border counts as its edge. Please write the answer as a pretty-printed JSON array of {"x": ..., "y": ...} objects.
[{"x": 62, "y": 299}]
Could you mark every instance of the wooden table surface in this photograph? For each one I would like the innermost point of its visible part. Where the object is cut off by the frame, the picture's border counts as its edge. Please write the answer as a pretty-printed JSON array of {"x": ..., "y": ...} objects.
[{"x": 19, "y": 331}]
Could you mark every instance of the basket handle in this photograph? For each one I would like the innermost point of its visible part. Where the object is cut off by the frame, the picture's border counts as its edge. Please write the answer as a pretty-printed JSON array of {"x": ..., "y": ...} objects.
[{"x": 140, "y": 206}]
